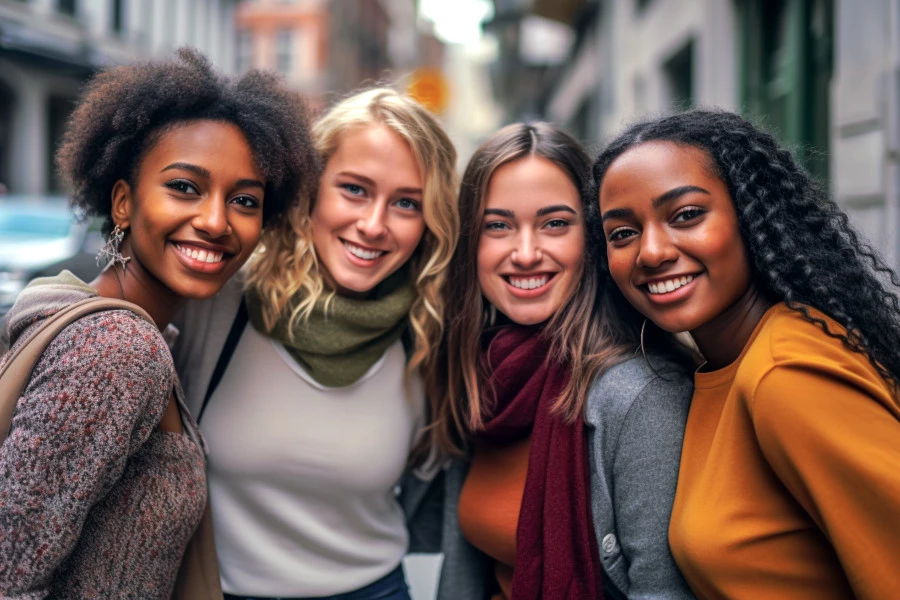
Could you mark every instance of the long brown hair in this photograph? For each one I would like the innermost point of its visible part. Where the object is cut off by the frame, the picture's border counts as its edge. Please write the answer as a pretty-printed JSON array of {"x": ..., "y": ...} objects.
[{"x": 580, "y": 333}]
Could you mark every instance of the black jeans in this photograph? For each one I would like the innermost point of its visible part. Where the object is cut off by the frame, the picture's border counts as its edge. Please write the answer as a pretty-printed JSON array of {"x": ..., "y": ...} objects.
[{"x": 390, "y": 587}]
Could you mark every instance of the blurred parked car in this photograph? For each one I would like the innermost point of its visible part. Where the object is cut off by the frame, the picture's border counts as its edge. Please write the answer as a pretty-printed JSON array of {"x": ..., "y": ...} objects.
[{"x": 41, "y": 235}]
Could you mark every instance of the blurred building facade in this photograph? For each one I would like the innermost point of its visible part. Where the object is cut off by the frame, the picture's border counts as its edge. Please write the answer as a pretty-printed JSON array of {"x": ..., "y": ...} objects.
[
  {"x": 48, "y": 48},
  {"x": 327, "y": 48},
  {"x": 823, "y": 74}
]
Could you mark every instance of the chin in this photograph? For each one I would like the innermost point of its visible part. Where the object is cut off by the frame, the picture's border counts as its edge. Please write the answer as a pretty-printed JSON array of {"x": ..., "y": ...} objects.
[{"x": 529, "y": 318}]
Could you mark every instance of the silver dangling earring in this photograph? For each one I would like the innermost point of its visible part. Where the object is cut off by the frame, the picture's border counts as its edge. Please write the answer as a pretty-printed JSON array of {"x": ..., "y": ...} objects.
[
  {"x": 643, "y": 351},
  {"x": 110, "y": 250}
]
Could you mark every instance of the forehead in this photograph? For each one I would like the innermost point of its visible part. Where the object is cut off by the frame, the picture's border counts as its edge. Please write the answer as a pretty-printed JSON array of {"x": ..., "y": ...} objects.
[
  {"x": 656, "y": 167},
  {"x": 531, "y": 182},
  {"x": 206, "y": 143},
  {"x": 376, "y": 150}
]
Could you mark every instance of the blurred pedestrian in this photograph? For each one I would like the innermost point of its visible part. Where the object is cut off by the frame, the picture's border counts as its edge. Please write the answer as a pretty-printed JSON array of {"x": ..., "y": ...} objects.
[
  {"x": 312, "y": 410},
  {"x": 789, "y": 484},
  {"x": 102, "y": 477}
]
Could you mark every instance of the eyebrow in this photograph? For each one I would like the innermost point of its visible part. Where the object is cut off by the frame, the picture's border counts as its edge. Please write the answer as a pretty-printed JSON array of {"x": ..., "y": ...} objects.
[
  {"x": 673, "y": 194},
  {"x": 500, "y": 212},
  {"x": 555, "y": 208},
  {"x": 205, "y": 173},
  {"x": 371, "y": 182}
]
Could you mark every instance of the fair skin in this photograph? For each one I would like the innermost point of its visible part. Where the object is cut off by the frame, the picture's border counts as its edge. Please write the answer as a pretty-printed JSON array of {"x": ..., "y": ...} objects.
[
  {"x": 192, "y": 219},
  {"x": 531, "y": 251},
  {"x": 675, "y": 250},
  {"x": 367, "y": 219}
]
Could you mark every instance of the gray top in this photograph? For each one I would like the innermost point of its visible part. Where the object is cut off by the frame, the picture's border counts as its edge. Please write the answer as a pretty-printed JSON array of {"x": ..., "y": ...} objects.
[{"x": 635, "y": 424}]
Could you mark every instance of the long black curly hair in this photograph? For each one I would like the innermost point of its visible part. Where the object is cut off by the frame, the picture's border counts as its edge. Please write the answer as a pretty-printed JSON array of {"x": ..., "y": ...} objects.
[
  {"x": 802, "y": 248},
  {"x": 124, "y": 110}
]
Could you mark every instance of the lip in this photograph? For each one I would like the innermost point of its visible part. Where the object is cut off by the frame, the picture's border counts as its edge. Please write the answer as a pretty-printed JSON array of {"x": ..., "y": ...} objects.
[
  {"x": 673, "y": 296},
  {"x": 528, "y": 294},
  {"x": 359, "y": 261},
  {"x": 200, "y": 266}
]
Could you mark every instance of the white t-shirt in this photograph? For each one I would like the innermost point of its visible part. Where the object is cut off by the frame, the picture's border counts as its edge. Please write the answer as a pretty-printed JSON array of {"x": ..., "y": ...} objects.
[{"x": 303, "y": 477}]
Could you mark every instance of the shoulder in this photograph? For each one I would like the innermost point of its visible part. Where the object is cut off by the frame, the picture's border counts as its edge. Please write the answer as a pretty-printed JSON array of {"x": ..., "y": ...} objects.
[
  {"x": 615, "y": 392},
  {"x": 105, "y": 346},
  {"x": 789, "y": 336}
]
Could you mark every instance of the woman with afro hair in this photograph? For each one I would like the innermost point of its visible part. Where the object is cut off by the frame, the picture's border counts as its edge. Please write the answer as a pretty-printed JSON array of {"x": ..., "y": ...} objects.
[
  {"x": 789, "y": 484},
  {"x": 102, "y": 477}
]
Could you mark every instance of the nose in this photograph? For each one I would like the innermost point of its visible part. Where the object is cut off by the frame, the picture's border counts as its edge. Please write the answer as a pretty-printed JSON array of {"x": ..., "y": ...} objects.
[
  {"x": 526, "y": 254},
  {"x": 656, "y": 248},
  {"x": 212, "y": 217},
  {"x": 372, "y": 223}
]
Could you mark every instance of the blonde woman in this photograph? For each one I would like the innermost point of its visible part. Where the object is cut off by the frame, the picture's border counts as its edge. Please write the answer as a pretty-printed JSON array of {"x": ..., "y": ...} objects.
[{"x": 311, "y": 412}]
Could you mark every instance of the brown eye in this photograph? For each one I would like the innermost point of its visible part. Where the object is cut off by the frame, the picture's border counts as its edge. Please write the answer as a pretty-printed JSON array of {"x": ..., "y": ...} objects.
[
  {"x": 182, "y": 186},
  {"x": 689, "y": 214}
]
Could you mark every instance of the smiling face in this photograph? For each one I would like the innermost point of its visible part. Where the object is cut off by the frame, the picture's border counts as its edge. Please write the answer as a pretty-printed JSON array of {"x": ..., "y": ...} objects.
[
  {"x": 367, "y": 219},
  {"x": 195, "y": 213},
  {"x": 672, "y": 236},
  {"x": 531, "y": 249}
]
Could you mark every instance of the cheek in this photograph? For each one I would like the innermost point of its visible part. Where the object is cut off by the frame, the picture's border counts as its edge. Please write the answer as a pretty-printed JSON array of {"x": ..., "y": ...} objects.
[
  {"x": 620, "y": 264},
  {"x": 409, "y": 234},
  {"x": 573, "y": 253},
  {"x": 485, "y": 264}
]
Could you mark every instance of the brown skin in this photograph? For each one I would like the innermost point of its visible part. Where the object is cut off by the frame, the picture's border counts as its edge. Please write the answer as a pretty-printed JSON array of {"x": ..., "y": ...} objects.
[
  {"x": 668, "y": 217},
  {"x": 198, "y": 188}
]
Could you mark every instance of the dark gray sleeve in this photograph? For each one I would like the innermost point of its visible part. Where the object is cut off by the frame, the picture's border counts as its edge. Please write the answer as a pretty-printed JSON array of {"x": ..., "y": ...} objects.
[
  {"x": 635, "y": 425},
  {"x": 644, "y": 475}
]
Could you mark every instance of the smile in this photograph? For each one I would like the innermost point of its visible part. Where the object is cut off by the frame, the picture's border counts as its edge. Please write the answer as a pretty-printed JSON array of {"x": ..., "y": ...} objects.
[
  {"x": 206, "y": 256},
  {"x": 360, "y": 252},
  {"x": 669, "y": 285},
  {"x": 528, "y": 283}
]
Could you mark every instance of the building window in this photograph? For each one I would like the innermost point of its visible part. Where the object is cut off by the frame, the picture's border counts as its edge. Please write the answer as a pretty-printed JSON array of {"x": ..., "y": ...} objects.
[
  {"x": 284, "y": 52},
  {"x": 786, "y": 67},
  {"x": 66, "y": 7},
  {"x": 244, "y": 51},
  {"x": 118, "y": 16},
  {"x": 678, "y": 74}
]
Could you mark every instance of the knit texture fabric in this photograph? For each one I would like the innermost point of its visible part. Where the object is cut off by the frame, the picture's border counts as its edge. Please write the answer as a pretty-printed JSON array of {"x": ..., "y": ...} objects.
[
  {"x": 95, "y": 500},
  {"x": 343, "y": 337},
  {"x": 556, "y": 551}
]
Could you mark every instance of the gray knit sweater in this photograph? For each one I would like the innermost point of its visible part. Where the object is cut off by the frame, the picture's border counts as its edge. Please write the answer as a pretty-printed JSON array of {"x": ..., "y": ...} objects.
[{"x": 95, "y": 500}]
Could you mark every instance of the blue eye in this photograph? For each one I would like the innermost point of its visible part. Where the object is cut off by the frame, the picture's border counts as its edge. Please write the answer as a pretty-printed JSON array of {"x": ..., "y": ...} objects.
[
  {"x": 182, "y": 186},
  {"x": 496, "y": 226},
  {"x": 353, "y": 189},
  {"x": 407, "y": 204}
]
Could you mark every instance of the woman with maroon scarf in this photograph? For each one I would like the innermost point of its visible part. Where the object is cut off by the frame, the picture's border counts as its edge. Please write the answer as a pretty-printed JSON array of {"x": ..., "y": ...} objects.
[{"x": 568, "y": 435}]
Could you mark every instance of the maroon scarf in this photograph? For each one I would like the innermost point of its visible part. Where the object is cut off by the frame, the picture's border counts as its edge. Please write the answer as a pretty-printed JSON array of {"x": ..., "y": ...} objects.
[{"x": 556, "y": 549}]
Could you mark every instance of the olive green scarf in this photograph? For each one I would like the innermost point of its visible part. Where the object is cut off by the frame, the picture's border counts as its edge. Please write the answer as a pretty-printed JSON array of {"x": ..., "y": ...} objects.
[{"x": 337, "y": 346}]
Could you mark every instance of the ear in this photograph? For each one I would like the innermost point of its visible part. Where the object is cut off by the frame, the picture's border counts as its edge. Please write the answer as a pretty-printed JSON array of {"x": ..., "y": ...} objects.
[{"x": 122, "y": 204}]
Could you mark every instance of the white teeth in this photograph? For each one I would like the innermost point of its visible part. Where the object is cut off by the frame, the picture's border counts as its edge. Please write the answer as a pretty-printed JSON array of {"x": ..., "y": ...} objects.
[
  {"x": 361, "y": 252},
  {"x": 207, "y": 256},
  {"x": 529, "y": 283},
  {"x": 664, "y": 287}
]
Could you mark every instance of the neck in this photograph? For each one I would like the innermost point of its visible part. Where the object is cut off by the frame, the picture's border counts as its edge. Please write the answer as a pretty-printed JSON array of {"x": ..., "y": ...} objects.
[
  {"x": 722, "y": 339},
  {"x": 137, "y": 285}
]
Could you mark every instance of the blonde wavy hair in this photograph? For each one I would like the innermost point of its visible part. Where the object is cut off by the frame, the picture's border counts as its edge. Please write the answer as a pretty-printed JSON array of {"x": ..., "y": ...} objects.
[{"x": 285, "y": 265}]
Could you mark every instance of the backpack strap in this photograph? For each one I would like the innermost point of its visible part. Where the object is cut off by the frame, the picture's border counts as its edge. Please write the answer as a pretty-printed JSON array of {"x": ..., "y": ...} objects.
[
  {"x": 231, "y": 342},
  {"x": 16, "y": 372}
]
